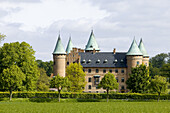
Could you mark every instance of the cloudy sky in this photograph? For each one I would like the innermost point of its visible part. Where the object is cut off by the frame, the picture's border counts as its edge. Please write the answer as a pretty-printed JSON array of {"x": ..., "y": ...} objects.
[{"x": 115, "y": 23}]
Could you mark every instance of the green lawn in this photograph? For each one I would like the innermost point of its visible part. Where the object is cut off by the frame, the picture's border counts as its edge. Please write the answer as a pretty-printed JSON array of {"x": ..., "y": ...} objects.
[{"x": 85, "y": 107}]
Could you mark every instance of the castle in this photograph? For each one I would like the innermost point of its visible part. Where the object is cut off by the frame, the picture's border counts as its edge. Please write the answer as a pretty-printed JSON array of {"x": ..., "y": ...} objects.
[{"x": 96, "y": 64}]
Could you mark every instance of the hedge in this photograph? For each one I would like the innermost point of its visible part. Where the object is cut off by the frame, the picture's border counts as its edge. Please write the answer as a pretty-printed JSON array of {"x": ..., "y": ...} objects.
[{"x": 84, "y": 95}]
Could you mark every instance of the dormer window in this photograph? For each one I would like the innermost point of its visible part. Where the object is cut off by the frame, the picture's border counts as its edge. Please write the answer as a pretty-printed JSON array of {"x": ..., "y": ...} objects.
[
  {"x": 83, "y": 61},
  {"x": 98, "y": 61},
  {"x": 121, "y": 60},
  {"x": 105, "y": 61},
  {"x": 91, "y": 46},
  {"x": 89, "y": 61},
  {"x": 115, "y": 61}
]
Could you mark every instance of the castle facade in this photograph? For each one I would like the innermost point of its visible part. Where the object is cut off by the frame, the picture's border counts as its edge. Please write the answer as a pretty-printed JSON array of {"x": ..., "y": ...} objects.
[{"x": 96, "y": 64}]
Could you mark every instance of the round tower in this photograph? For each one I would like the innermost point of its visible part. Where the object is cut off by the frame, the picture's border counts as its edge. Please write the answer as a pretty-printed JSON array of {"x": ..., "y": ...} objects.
[{"x": 59, "y": 57}]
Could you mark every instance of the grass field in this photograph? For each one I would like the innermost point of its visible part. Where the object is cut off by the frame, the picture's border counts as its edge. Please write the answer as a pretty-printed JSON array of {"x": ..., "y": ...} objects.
[{"x": 85, "y": 107}]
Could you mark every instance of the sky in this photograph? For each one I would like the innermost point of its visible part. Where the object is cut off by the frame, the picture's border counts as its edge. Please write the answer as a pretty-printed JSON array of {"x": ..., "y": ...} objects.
[{"x": 115, "y": 24}]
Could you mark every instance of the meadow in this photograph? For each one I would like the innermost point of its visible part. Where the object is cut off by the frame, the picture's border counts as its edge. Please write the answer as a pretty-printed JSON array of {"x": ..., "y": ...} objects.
[{"x": 84, "y": 107}]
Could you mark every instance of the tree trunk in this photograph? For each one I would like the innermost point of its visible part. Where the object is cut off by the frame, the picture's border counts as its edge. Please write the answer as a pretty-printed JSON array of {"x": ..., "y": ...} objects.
[
  {"x": 159, "y": 96},
  {"x": 107, "y": 95},
  {"x": 59, "y": 95},
  {"x": 10, "y": 98}
]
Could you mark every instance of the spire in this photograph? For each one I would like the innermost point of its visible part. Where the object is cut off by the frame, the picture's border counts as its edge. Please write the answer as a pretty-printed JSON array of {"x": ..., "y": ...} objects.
[
  {"x": 142, "y": 48},
  {"x": 69, "y": 46},
  {"x": 92, "y": 44},
  {"x": 134, "y": 50},
  {"x": 59, "y": 49}
]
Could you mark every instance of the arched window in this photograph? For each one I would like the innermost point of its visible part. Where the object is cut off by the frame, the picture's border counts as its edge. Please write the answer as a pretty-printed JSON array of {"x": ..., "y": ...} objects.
[{"x": 89, "y": 87}]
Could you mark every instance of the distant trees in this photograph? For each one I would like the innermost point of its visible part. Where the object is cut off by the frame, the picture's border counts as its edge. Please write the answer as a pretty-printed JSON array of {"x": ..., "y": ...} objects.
[
  {"x": 139, "y": 79},
  {"x": 11, "y": 79},
  {"x": 159, "y": 85},
  {"x": 59, "y": 82},
  {"x": 2, "y": 37},
  {"x": 108, "y": 82},
  {"x": 76, "y": 75},
  {"x": 21, "y": 55}
]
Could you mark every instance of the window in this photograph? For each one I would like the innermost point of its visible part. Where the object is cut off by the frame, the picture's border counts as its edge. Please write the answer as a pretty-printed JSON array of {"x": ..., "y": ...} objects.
[
  {"x": 105, "y": 61},
  {"x": 96, "y": 91},
  {"x": 89, "y": 80},
  {"x": 122, "y": 80},
  {"x": 84, "y": 70},
  {"x": 89, "y": 91},
  {"x": 97, "y": 87},
  {"x": 89, "y": 70},
  {"x": 122, "y": 71},
  {"x": 117, "y": 79},
  {"x": 97, "y": 70},
  {"x": 89, "y": 87},
  {"x": 96, "y": 81},
  {"x": 67, "y": 63},
  {"x": 137, "y": 62},
  {"x": 122, "y": 87},
  {"x": 98, "y": 61},
  {"x": 104, "y": 71},
  {"x": 110, "y": 71},
  {"x": 116, "y": 70},
  {"x": 89, "y": 61}
]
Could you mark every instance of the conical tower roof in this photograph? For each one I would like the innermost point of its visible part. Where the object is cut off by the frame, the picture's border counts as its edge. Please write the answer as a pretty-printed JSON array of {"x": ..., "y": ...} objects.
[
  {"x": 134, "y": 50},
  {"x": 92, "y": 44},
  {"x": 69, "y": 46},
  {"x": 142, "y": 48},
  {"x": 59, "y": 49}
]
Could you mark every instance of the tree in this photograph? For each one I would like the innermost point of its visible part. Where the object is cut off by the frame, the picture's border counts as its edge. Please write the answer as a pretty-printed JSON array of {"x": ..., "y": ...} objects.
[
  {"x": 159, "y": 85},
  {"x": 165, "y": 71},
  {"x": 2, "y": 37},
  {"x": 76, "y": 75},
  {"x": 43, "y": 81},
  {"x": 159, "y": 60},
  {"x": 59, "y": 83},
  {"x": 108, "y": 82},
  {"x": 153, "y": 71},
  {"x": 139, "y": 79},
  {"x": 11, "y": 79},
  {"x": 22, "y": 55}
]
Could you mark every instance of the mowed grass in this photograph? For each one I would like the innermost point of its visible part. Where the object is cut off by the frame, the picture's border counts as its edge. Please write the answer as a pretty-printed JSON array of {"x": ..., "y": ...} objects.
[{"x": 85, "y": 107}]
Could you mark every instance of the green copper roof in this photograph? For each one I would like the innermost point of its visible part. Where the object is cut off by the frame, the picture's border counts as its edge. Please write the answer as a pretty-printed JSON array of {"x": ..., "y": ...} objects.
[
  {"x": 92, "y": 44},
  {"x": 69, "y": 46},
  {"x": 134, "y": 50},
  {"x": 142, "y": 49},
  {"x": 59, "y": 49}
]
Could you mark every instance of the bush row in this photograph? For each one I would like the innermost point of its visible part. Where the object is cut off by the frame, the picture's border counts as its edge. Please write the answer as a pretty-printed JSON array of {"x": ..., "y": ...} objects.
[{"x": 84, "y": 95}]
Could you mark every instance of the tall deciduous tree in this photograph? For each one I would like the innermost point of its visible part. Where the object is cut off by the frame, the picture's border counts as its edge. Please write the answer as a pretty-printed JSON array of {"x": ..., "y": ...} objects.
[
  {"x": 59, "y": 83},
  {"x": 139, "y": 79},
  {"x": 165, "y": 70},
  {"x": 11, "y": 79},
  {"x": 2, "y": 37},
  {"x": 43, "y": 81},
  {"x": 108, "y": 82},
  {"x": 159, "y": 85},
  {"x": 22, "y": 55},
  {"x": 76, "y": 75}
]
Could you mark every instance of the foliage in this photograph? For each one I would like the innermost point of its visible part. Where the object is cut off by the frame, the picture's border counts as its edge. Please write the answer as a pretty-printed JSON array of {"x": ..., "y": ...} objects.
[
  {"x": 43, "y": 81},
  {"x": 47, "y": 66},
  {"x": 59, "y": 83},
  {"x": 139, "y": 79},
  {"x": 76, "y": 75},
  {"x": 22, "y": 55},
  {"x": 153, "y": 71},
  {"x": 11, "y": 79},
  {"x": 165, "y": 70},
  {"x": 108, "y": 82},
  {"x": 158, "y": 84},
  {"x": 2, "y": 37}
]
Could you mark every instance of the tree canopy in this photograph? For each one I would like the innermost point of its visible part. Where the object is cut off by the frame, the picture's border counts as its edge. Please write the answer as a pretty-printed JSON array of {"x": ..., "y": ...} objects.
[
  {"x": 108, "y": 82},
  {"x": 22, "y": 55},
  {"x": 11, "y": 79},
  {"x": 76, "y": 75},
  {"x": 139, "y": 79},
  {"x": 2, "y": 37}
]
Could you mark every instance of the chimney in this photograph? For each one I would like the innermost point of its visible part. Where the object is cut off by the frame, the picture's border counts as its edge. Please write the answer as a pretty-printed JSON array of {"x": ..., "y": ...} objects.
[
  {"x": 114, "y": 50},
  {"x": 94, "y": 51}
]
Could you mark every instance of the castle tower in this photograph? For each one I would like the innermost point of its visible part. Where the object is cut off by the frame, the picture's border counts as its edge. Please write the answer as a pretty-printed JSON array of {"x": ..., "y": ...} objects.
[
  {"x": 69, "y": 46},
  {"x": 92, "y": 44},
  {"x": 134, "y": 57},
  {"x": 59, "y": 57},
  {"x": 145, "y": 59}
]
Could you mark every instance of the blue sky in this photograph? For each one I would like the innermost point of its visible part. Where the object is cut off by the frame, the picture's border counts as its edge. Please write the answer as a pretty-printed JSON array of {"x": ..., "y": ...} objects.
[{"x": 115, "y": 23}]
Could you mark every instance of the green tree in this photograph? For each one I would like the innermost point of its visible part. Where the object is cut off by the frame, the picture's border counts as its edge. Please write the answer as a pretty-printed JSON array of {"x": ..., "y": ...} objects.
[
  {"x": 159, "y": 60},
  {"x": 159, "y": 85},
  {"x": 108, "y": 82},
  {"x": 165, "y": 71},
  {"x": 11, "y": 79},
  {"x": 76, "y": 75},
  {"x": 59, "y": 83},
  {"x": 153, "y": 71},
  {"x": 139, "y": 79},
  {"x": 43, "y": 81},
  {"x": 47, "y": 66},
  {"x": 2, "y": 37},
  {"x": 22, "y": 55}
]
